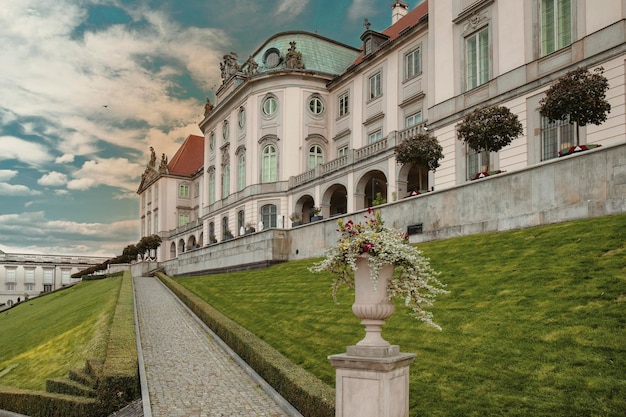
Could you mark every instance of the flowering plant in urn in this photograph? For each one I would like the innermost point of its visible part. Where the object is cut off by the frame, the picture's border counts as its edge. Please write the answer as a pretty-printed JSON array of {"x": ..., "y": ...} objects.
[{"x": 414, "y": 281}]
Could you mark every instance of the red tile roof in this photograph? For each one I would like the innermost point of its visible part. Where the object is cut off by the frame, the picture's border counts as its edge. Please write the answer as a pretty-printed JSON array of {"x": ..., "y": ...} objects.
[
  {"x": 411, "y": 19},
  {"x": 189, "y": 158}
]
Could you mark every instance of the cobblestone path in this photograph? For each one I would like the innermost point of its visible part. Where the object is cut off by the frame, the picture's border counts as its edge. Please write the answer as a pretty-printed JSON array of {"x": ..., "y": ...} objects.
[{"x": 188, "y": 374}]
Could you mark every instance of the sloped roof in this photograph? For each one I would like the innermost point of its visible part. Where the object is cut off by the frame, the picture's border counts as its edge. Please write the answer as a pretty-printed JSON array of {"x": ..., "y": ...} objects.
[
  {"x": 318, "y": 53},
  {"x": 411, "y": 19},
  {"x": 189, "y": 158}
]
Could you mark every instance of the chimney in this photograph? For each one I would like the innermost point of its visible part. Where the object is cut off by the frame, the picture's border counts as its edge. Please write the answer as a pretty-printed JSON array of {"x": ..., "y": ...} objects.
[{"x": 399, "y": 9}]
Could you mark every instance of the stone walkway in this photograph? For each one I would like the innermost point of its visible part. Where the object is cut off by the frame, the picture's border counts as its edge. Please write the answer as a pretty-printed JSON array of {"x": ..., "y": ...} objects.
[{"x": 187, "y": 372}]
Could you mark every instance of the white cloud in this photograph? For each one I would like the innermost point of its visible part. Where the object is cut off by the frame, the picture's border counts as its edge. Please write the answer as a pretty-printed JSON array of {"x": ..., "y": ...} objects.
[
  {"x": 289, "y": 9},
  {"x": 65, "y": 158},
  {"x": 23, "y": 151},
  {"x": 114, "y": 172},
  {"x": 52, "y": 179},
  {"x": 37, "y": 234},
  {"x": 360, "y": 9},
  {"x": 16, "y": 190},
  {"x": 7, "y": 174}
]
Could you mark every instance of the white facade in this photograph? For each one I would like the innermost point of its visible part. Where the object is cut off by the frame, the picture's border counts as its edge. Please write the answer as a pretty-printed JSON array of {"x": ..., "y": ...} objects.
[
  {"x": 24, "y": 276},
  {"x": 286, "y": 136}
]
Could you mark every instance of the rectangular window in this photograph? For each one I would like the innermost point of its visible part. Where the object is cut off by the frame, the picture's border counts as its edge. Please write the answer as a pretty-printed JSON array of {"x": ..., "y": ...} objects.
[
  {"x": 556, "y": 136},
  {"x": 211, "y": 187},
  {"x": 183, "y": 191},
  {"x": 413, "y": 119},
  {"x": 65, "y": 276},
  {"x": 29, "y": 276},
  {"x": 375, "y": 136},
  {"x": 196, "y": 189},
  {"x": 156, "y": 224},
  {"x": 183, "y": 219},
  {"x": 476, "y": 162},
  {"x": 29, "y": 287},
  {"x": 556, "y": 25},
  {"x": 375, "y": 89},
  {"x": 412, "y": 64},
  {"x": 10, "y": 286},
  {"x": 47, "y": 287},
  {"x": 47, "y": 276},
  {"x": 149, "y": 229},
  {"x": 10, "y": 277},
  {"x": 344, "y": 107},
  {"x": 477, "y": 58},
  {"x": 343, "y": 151}
]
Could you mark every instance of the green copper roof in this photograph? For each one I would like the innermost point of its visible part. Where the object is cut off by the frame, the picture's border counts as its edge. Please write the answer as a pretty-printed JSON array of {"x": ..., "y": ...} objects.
[{"x": 318, "y": 53}]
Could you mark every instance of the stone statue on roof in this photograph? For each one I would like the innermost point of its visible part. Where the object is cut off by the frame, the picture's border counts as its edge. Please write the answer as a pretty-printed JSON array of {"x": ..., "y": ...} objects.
[
  {"x": 152, "y": 162},
  {"x": 230, "y": 66},
  {"x": 208, "y": 106},
  {"x": 293, "y": 59},
  {"x": 163, "y": 166},
  {"x": 251, "y": 66}
]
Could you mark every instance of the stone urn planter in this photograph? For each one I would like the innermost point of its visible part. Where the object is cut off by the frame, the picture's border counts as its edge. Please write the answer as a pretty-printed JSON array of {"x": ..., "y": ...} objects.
[{"x": 371, "y": 303}]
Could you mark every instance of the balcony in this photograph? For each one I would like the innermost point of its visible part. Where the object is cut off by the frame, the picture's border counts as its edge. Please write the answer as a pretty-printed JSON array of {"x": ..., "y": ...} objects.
[{"x": 355, "y": 156}]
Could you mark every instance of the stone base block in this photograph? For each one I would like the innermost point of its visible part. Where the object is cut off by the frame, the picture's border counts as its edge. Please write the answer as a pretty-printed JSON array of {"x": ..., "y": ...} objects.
[{"x": 372, "y": 386}]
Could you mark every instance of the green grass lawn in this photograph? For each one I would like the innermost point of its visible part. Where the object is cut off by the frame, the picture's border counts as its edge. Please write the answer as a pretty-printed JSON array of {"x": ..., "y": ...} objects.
[
  {"x": 46, "y": 337},
  {"x": 534, "y": 324}
]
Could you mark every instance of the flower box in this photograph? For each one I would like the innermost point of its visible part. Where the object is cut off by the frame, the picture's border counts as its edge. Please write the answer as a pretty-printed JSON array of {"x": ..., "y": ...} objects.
[{"x": 577, "y": 148}]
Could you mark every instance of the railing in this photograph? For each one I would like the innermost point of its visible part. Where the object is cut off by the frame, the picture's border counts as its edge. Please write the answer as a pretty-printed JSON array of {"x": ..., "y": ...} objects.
[
  {"x": 411, "y": 131},
  {"x": 357, "y": 155},
  {"x": 370, "y": 150}
]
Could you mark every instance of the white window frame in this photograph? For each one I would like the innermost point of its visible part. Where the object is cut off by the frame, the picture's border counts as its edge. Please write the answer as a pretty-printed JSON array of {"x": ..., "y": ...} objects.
[
  {"x": 343, "y": 151},
  {"x": 556, "y": 28},
  {"x": 556, "y": 136},
  {"x": 183, "y": 219},
  {"x": 413, "y": 119},
  {"x": 316, "y": 106},
  {"x": 269, "y": 106},
  {"x": 413, "y": 63},
  {"x": 241, "y": 171},
  {"x": 315, "y": 156},
  {"x": 375, "y": 89},
  {"x": 477, "y": 58},
  {"x": 269, "y": 163},
  {"x": 225, "y": 181},
  {"x": 344, "y": 104},
  {"x": 183, "y": 190},
  {"x": 375, "y": 136}
]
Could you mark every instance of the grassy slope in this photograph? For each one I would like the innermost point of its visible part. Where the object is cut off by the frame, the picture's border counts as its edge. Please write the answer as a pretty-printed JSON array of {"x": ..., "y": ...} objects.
[
  {"x": 46, "y": 337},
  {"x": 534, "y": 324}
]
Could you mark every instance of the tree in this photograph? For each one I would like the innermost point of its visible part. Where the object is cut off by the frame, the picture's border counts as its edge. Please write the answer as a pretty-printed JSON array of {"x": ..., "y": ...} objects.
[
  {"x": 148, "y": 243},
  {"x": 579, "y": 96},
  {"x": 422, "y": 149},
  {"x": 489, "y": 129}
]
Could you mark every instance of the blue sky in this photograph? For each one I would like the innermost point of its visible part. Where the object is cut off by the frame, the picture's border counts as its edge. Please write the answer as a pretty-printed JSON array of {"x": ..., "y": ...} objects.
[{"x": 87, "y": 86}]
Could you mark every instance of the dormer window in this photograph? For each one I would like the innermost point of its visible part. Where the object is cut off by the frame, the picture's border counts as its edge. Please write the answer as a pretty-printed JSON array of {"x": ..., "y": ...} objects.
[{"x": 372, "y": 41}]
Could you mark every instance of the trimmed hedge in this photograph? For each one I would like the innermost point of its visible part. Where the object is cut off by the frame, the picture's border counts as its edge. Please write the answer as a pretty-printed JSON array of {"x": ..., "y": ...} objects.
[
  {"x": 118, "y": 383},
  {"x": 305, "y": 392},
  {"x": 44, "y": 404},
  {"x": 117, "y": 380}
]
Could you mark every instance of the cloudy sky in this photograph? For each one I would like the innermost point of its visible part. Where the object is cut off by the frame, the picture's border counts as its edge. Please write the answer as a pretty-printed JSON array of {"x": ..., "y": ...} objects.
[{"x": 87, "y": 86}]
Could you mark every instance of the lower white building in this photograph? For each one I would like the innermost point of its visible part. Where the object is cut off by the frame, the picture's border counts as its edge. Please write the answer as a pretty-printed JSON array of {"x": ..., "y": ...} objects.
[{"x": 24, "y": 276}]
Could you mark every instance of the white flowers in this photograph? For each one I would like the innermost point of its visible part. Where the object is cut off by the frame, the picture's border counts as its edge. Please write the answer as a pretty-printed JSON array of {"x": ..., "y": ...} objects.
[{"x": 414, "y": 281}]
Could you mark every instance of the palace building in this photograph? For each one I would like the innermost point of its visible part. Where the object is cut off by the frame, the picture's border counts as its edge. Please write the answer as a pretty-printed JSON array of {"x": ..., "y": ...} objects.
[{"x": 306, "y": 126}]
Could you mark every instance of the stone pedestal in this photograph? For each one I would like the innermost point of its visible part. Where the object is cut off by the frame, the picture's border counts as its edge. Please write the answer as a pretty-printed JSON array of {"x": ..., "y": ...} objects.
[{"x": 372, "y": 384}]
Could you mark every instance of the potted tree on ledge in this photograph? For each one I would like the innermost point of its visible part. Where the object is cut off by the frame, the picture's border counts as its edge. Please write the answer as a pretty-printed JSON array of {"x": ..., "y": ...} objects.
[
  {"x": 489, "y": 129},
  {"x": 421, "y": 150},
  {"x": 578, "y": 97}
]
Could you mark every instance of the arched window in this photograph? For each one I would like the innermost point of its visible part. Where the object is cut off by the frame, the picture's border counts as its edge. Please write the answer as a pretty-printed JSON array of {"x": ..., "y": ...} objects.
[
  {"x": 225, "y": 230},
  {"x": 225, "y": 181},
  {"x": 212, "y": 238},
  {"x": 241, "y": 220},
  {"x": 269, "y": 164},
  {"x": 211, "y": 187},
  {"x": 316, "y": 156},
  {"x": 268, "y": 215},
  {"x": 241, "y": 171}
]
